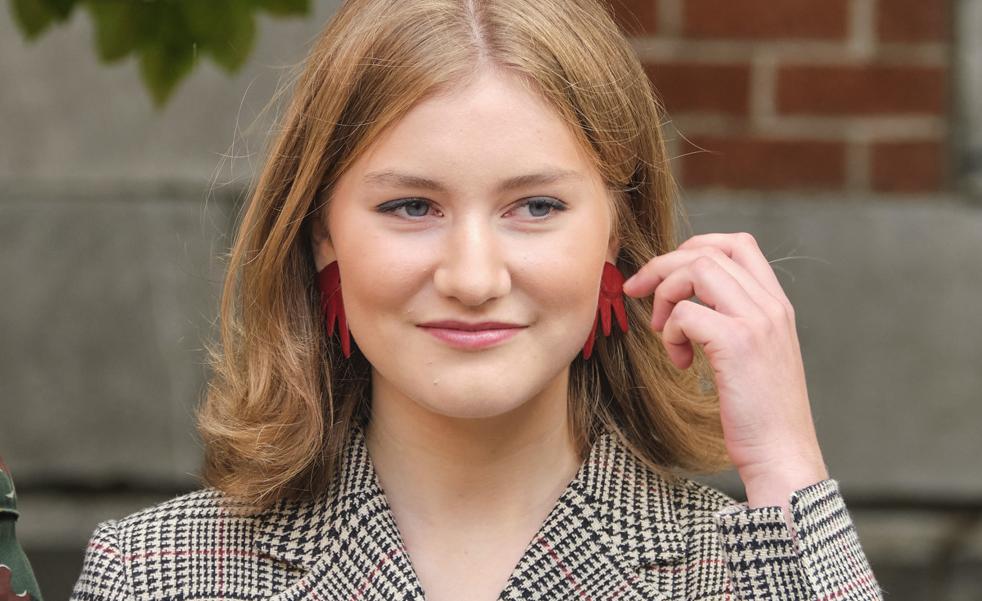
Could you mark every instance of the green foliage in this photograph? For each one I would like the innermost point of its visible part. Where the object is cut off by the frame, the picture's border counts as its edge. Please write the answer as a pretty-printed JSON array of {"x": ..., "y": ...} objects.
[{"x": 166, "y": 35}]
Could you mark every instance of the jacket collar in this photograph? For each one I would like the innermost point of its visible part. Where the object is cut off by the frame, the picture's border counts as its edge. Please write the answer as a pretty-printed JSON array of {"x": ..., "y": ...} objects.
[{"x": 616, "y": 515}]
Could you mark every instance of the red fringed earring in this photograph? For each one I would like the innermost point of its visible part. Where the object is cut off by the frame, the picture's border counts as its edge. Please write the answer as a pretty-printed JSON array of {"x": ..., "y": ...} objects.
[
  {"x": 611, "y": 296},
  {"x": 329, "y": 281}
]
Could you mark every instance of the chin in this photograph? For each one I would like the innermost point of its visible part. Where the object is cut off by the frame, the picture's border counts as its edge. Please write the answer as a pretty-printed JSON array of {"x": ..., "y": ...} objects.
[{"x": 479, "y": 404}]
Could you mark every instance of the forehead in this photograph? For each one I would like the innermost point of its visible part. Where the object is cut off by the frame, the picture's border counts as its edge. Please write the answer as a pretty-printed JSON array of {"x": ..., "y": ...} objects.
[{"x": 492, "y": 125}]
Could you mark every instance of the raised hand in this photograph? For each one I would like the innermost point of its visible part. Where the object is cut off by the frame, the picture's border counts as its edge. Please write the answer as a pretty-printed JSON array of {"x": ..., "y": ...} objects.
[{"x": 746, "y": 325}]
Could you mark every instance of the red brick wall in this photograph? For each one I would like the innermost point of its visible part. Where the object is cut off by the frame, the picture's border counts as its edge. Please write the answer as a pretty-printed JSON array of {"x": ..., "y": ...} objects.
[{"x": 848, "y": 95}]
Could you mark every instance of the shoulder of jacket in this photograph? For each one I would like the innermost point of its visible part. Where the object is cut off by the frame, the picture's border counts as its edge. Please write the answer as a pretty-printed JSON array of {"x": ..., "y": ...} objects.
[
  {"x": 209, "y": 511},
  {"x": 204, "y": 502},
  {"x": 163, "y": 549}
]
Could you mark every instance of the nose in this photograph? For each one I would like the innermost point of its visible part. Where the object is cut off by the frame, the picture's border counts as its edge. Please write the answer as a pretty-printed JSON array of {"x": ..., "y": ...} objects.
[{"x": 472, "y": 268}]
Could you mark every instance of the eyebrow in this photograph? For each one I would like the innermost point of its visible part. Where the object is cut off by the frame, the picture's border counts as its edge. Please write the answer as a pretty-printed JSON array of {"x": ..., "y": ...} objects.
[{"x": 394, "y": 178}]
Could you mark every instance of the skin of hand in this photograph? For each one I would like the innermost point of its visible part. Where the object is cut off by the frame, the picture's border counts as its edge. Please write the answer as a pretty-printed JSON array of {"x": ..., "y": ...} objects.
[{"x": 746, "y": 325}]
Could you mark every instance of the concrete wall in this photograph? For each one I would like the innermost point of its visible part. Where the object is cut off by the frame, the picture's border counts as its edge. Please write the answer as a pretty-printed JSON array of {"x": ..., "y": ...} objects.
[
  {"x": 885, "y": 294},
  {"x": 114, "y": 218},
  {"x": 968, "y": 102}
]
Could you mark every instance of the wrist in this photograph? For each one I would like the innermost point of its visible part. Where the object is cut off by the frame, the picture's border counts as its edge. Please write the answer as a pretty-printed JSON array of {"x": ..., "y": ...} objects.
[
  {"x": 774, "y": 488},
  {"x": 772, "y": 485}
]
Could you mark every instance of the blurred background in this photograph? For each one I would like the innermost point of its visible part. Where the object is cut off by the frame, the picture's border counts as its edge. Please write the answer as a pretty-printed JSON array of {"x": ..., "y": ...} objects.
[{"x": 846, "y": 135}]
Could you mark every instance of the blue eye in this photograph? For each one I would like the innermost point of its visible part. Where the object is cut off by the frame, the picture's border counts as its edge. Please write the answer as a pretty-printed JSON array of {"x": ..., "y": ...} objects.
[
  {"x": 412, "y": 206},
  {"x": 418, "y": 207},
  {"x": 543, "y": 203}
]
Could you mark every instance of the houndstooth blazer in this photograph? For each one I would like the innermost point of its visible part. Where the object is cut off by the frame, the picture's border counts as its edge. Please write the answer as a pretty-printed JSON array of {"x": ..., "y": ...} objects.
[{"x": 618, "y": 531}]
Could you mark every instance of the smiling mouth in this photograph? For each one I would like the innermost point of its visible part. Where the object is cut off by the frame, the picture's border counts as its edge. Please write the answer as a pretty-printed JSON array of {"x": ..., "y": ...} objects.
[{"x": 472, "y": 339}]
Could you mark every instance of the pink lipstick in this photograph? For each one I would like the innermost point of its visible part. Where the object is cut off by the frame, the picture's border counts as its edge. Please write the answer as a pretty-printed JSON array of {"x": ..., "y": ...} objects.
[{"x": 474, "y": 336}]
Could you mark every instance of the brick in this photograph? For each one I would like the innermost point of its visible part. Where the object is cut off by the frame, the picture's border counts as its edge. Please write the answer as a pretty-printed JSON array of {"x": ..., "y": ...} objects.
[
  {"x": 756, "y": 19},
  {"x": 698, "y": 87},
  {"x": 636, "y": 17},
  {"x": 763, "y": 164},
  {"x": 917, "y": 166},
  {"x": 861, "y": 90},
  {"x": 913, "y": 20}
]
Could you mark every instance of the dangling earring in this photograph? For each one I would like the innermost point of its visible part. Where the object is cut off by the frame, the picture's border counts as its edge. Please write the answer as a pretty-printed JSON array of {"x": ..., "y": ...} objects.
[
  {"x": 611, "y": 296},
  {"x": 329, "y": 281}
]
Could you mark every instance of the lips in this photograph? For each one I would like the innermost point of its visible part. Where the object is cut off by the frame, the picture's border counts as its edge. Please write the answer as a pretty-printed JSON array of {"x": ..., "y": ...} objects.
[
  {"x": 472, "y": 336},
  {"x": 449, "y": 324}
]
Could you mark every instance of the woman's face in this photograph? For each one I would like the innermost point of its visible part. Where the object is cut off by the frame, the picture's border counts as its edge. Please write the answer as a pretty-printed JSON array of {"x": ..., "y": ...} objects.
[{"x": 478, "y": 206}]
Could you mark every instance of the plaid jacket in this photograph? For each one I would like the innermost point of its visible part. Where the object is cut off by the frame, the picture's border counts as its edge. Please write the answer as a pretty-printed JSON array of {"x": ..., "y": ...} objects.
[{"x": 618, "y": 531}]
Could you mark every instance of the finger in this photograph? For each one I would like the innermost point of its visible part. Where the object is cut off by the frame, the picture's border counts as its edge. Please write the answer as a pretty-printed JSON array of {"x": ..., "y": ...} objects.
[
  {"x": 653, "y": 273},
  {"x": 706, "y": 279},
  {"x": 744, "y": 250},
  {"x": 691, "y": 322},
  {"x": 648, "y": 276}
]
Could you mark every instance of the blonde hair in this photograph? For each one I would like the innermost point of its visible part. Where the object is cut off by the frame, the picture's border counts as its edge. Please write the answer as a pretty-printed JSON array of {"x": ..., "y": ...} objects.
[{"x": 283, "y": 401}]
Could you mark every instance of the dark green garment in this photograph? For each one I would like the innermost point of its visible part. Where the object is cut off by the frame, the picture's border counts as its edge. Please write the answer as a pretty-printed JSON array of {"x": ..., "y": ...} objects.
[{"x": 15, "y": 571}]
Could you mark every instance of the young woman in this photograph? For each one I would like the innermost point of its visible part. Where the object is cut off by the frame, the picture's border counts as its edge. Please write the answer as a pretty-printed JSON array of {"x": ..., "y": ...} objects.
[{"x": 435, "y": 383}]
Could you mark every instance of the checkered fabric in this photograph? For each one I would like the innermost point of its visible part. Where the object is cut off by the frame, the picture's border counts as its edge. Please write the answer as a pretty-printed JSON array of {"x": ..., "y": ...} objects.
[{"x": 618, "y": 531}]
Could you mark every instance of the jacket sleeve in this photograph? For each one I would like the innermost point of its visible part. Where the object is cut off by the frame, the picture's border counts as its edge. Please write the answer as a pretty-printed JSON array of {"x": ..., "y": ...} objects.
[
  {"x": 104, "y": 576},
  {"x": 820, "y": 558}
]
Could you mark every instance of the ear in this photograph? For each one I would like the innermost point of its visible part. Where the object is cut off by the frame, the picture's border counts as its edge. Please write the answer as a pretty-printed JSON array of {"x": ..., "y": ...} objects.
[
  {"x": 613, "y": 247},
  {"x": 613, "y": 241},
  {"x": 320, "y": 242}
]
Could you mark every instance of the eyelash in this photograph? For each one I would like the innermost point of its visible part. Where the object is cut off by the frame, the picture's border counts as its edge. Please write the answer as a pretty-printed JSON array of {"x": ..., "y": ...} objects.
[{"x": 393, "y": 206}]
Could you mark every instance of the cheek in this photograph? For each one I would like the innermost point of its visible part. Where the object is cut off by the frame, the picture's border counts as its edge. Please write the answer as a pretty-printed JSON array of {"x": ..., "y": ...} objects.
[
  {"x": 563, "y": 280},
  {"x": 571, "y": 281},
  {"x": 564, "y": 283},
  {"x": 570, "y": 263},
  {"x": 379, "y": 276}
]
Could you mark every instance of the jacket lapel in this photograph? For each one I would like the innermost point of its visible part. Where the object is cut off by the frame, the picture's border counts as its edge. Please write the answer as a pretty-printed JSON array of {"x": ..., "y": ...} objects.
[
  {"x": 346, "y": 539},
  {"x": 612, "y": 534}
]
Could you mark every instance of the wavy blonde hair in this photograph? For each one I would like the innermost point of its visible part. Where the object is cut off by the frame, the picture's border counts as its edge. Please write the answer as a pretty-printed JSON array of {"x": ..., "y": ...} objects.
[{"x": 282, "y": 400}]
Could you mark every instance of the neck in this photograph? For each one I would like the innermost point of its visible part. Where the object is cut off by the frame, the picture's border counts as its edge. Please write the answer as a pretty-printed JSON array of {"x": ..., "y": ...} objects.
[{"x": 455, "y": 472}]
